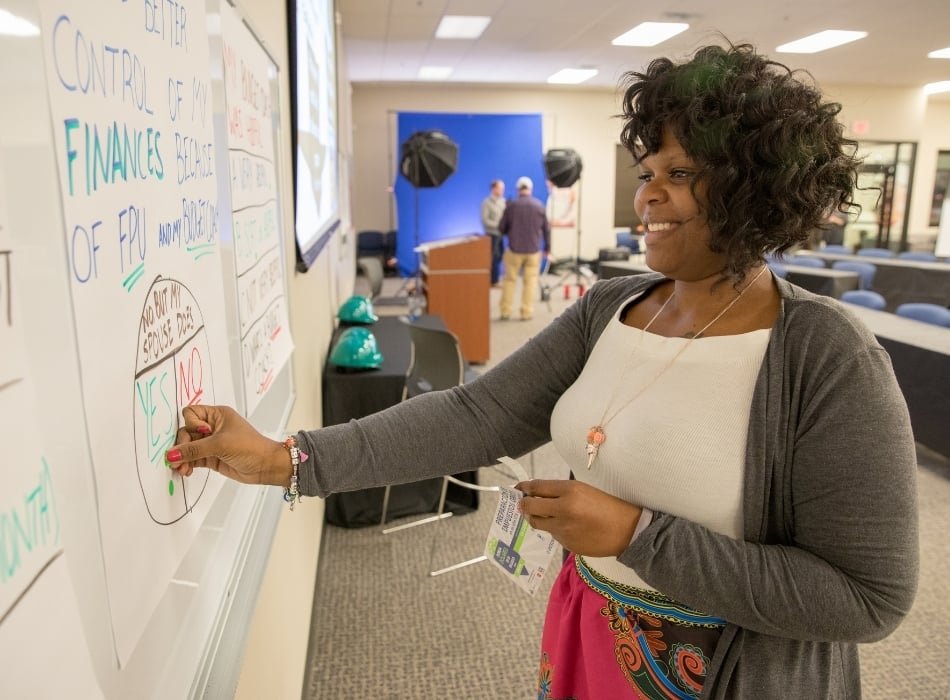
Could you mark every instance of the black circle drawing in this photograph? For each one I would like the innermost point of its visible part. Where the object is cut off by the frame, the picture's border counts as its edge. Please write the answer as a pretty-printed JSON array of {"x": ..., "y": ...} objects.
[{"x": 172, "y": 370}]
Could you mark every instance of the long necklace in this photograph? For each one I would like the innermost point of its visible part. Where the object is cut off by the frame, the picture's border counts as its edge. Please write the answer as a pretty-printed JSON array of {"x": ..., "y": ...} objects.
[{"x": 597, "y": 435}]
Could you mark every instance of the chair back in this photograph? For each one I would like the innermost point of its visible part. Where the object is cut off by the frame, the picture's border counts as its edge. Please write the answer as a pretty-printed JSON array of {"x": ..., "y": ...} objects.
[
  {"x": 625, "y": 239},
  {"x": 864, "y": 297},
  {"x": 437, "y": 360},
  {"x": 806, "y": 261},
  {"x": 928, "y": 313},
  {"x": 876, "y": 253},
  {"x": 918, "y": 255},
  {"x": 370, "y": 243},
  {"x": 778, "y": 269},
  {"x": 865, "y": 270},
  {"x": 837, "y": 249}
]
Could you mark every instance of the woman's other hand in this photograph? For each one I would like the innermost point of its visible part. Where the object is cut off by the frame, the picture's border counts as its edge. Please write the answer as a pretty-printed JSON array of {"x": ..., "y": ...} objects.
[
  {"x": 583, "y": 519},
  {"x": 219, "y": 438}
]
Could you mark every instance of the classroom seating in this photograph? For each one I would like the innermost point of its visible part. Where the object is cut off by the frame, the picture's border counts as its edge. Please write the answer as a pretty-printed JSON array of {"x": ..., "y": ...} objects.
[
  {"x": 865, "y": 270},
  {"x": 778, "y": 269},
  {"x": 866, "y": 298},
  {"x": 625, "y": 239},
  {"x": 806, "y": 261},
  {"x": 918, "y": 255},
  {"x": 928, "y": 313},
  {"x": 837, "y": 249},
  {"x": 876, "y": 253}
]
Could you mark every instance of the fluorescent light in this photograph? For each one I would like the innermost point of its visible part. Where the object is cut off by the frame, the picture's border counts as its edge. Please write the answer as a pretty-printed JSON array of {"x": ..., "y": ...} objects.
[
  {"x": 572, "y": 76},
  {"x": 461, "y": 27},
  {"x": 650, "y": 33},
  {"x": 940, "y": 53},
  {"x": 934, "y": 88},
  {"x": 434, "y": 72},
  {"x": 11, "y": 25},
  {"x": 821, "y": 41}
]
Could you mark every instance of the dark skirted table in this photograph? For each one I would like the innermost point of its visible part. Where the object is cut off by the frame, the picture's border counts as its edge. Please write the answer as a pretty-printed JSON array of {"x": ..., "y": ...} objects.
[
  {"x": 832, "y": 283},
  {"x": 901, "y": 281},
  {"x": 349, "y": 394},
  {"x": 920, "y": 353}
]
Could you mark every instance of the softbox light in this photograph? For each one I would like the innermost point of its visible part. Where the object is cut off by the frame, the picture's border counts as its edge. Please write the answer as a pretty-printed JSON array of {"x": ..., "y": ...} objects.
[
  {"x": 428, "y": 158},
  {"x": 562, "y": 166}
]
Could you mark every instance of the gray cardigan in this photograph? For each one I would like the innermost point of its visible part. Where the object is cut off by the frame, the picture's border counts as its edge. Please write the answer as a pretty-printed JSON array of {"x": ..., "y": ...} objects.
[{"x": 829, "y": 556}]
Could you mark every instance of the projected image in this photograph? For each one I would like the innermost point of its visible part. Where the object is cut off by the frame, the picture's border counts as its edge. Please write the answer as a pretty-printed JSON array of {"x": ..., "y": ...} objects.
[{"x": 316, "y": 123}]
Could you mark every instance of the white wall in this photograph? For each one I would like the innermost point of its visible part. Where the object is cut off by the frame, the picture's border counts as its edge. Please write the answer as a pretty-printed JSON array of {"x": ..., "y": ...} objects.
[{"x": 585, "y": 120}]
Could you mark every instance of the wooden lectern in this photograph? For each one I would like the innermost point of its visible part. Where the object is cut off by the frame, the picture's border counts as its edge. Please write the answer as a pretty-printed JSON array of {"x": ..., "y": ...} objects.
[{"x": 456, "y": 281}]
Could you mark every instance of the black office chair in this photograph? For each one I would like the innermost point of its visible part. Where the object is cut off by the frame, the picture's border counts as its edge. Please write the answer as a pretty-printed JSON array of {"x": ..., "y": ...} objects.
[
  {"x": 866, "y": 271},
  {"x": 437, "y": 363}
]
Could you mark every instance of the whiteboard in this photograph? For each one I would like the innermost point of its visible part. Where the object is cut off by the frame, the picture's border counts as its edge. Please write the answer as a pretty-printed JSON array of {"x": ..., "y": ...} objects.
[{"x": 173, "y": 647}]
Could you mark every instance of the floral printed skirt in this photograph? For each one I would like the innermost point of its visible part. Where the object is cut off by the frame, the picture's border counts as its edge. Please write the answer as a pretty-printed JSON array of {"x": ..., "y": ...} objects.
[{"x": 603, "y": 639}]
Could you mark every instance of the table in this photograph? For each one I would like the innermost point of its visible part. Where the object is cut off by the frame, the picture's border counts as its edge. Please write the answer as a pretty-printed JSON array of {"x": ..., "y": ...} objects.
[
  {"x": 832, "y": 283},
  {"x": 349, "y": 394},
  {"x": 920, "y": 353},
  {"x": 901, "y": 281}
]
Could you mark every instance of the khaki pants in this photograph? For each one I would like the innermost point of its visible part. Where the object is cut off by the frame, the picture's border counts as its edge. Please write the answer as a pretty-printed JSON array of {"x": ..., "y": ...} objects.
[{"x": 530, "y": 265}]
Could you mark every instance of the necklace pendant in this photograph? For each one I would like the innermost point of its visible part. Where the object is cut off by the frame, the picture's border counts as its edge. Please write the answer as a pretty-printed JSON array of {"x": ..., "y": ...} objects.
[{"x": 595, "y": 438}]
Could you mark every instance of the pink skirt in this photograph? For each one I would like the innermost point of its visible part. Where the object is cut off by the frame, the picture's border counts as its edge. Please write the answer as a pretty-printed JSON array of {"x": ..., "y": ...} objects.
[{"x": 603, "y": 639}]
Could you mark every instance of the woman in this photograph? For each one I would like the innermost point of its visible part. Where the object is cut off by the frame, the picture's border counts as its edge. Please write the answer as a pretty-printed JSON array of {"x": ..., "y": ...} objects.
[{"x": 744, "y": 509}]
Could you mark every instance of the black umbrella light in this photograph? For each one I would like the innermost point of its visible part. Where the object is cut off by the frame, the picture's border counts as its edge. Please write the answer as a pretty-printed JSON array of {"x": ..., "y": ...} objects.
[{"x": 428, "y": 158}]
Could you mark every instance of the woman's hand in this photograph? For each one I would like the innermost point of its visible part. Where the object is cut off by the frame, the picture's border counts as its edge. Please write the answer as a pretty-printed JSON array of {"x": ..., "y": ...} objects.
[
  {"x": 583, "y": 519},
  {"x": 217, "y": 437}
]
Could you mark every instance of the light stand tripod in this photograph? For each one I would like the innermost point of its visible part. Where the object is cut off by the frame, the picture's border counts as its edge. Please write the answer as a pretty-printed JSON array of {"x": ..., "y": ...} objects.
[
  {"x": 563, "y": 168},
  {"x": 427, "y": 159}
]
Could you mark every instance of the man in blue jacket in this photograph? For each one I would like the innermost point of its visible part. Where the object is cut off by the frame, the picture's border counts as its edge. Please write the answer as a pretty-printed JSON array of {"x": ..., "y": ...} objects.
[{"x": 525, "y": 222}]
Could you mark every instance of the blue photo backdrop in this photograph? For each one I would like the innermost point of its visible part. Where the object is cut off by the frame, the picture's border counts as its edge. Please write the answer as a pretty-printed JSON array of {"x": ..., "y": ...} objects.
[{"x": 491, "y": 146}]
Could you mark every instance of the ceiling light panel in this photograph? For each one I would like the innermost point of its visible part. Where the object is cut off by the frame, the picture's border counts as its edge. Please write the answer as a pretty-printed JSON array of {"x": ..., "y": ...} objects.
[
  {"x": 934, "y": 88},
  {"x": 461, "y": 27},
  {"x": 572, "y": 76},
  {"x": 822, "y": 41},
  {"x": 434, "y": 72},
  {"x": 940, "y": 53},
  {"x": 650, "y": 33}
]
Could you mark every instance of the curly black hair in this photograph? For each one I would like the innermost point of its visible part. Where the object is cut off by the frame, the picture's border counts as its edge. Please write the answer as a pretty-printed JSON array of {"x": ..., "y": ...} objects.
[{"x": 771, "y": 154}]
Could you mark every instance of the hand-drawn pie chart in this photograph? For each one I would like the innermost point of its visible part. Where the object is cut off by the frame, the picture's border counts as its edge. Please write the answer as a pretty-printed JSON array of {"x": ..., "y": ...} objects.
[{"x": 172, "y": 370}]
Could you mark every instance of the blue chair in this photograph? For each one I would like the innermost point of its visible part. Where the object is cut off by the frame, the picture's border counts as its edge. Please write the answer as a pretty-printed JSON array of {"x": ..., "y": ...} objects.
[
  {"x": 919, "y": 255},
  {"x": 865, "y": 270},
  {"x": 876, "y": 253},
  {"x": 928, "y": 313},
  {"x": 864, "y": 297},
  {"x": 837, "y": 250},
  {"x": 779, "y": 269},
  {"x": 626, "y": 240},
  {"x": 806, "y": 261}
]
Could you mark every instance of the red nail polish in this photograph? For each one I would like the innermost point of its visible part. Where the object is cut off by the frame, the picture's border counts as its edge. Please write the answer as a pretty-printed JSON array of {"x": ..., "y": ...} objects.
[
  {"x": 173, "y": 456},
  {"x": 204, "y": 429}
]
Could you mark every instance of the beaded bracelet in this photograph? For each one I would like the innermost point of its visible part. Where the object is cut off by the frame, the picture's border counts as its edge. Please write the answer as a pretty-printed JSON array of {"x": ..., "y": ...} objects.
[{"x": 291, "y": 494}]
